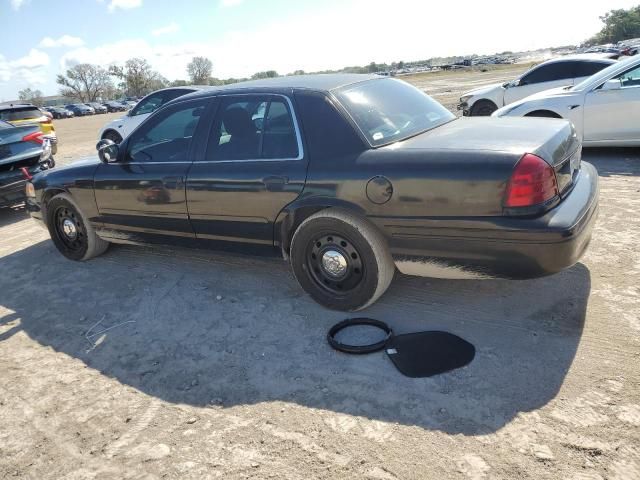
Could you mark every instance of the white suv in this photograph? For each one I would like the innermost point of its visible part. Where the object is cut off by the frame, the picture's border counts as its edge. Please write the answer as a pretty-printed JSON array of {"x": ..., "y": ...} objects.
[
  {"x": 119, "y": 128},
  {"x": 557, "y": 72}
]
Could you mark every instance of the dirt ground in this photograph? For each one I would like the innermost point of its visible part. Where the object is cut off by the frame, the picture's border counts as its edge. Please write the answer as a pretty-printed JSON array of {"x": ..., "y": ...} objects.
[{"x": 150, "y": 363}]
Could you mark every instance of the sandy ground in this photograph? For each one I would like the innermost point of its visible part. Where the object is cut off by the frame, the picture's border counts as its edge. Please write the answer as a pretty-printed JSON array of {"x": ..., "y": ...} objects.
[{"x": 151, "y": 363}]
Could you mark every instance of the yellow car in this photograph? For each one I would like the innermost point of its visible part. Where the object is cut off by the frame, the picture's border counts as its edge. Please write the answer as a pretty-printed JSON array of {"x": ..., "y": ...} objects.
[{"x": 27, "y": 114}]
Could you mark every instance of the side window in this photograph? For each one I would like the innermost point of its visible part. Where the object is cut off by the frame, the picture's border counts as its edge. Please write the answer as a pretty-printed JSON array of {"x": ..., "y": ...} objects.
[
  {"x": 586, "y": 69},
  {"x": 280, "y": 139},
  {"x": 549, "y": 73},
  {"x": 328, "y": 134},
  {"x": 167, "y": 138},
  {"x": 630, "y": 78},
  {"x": 149, "y": 104},
  {"x": 253, "y": 127}
]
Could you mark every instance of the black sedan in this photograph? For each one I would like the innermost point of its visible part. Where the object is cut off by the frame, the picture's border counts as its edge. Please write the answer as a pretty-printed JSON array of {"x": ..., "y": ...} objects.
[
  {"x": 114, "y": 106},
  {"x": 59, "y": 112},
  {"x": 80, "y": 109},
  {"x": 348, "y": 177}
]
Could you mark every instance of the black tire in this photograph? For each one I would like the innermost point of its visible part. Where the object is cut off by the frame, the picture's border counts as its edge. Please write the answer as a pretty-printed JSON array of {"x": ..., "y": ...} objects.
[
  {"x": 112, "y": 135},
  {"x": 70, "y": 231},
  {"x": 364, "y": 267},
  {"x": 543, "y": 114},
  {"x": 483, "y": 108}
]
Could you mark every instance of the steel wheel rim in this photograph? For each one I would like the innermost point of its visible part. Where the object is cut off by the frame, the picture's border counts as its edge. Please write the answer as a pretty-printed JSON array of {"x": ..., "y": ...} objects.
[
  {"x": 334, "y": 264},
  {"x": 69, "y": 229}
]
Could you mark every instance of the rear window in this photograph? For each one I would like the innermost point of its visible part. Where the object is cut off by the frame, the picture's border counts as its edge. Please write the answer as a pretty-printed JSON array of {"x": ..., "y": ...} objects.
[
  {"x": 586, "y": 69},
  {"x": 20, "y": 113},
  {"x": 389, "y": 110}
]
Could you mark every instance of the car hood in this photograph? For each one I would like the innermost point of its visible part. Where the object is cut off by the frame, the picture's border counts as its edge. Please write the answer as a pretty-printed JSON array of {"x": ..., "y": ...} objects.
[
  {"x": 554, "y": 93},
  {"x": 483, "y": 90},
  {"x": 551, "y": 139}
]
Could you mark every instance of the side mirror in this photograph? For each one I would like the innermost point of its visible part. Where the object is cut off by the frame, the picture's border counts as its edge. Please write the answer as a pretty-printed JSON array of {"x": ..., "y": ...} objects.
[
  {"x": 611, "y": 85},
  {"x": 107, "y": 150}
]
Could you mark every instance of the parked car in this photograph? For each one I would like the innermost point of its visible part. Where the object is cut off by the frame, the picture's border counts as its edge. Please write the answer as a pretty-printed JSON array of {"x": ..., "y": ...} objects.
[
  {"x": 59, "y": 112},
  {"x": 119, "y": 128},
  {"x": 114, "y": 106},
  {"x": 80, "y": 109},
  {"x": 24, "y": 152},
  {"x": 605, "y": 108},
  {"x": 27, "y": 114},
  {"x": 347, "y": 176},
  {"x": 557, "y": 72},
  {"x": 98, "y": 108}
]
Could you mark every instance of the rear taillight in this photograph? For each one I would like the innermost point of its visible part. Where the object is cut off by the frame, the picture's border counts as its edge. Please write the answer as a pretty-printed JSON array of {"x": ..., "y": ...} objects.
[
  {"x": 35, "y": 137},
  {"x": 532, "y": 182}
]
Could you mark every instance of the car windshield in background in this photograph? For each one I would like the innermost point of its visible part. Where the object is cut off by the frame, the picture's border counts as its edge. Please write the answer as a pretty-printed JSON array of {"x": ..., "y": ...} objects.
[
  {"x": 16, "y": 114},
  {"x": 388, "y": 110}
]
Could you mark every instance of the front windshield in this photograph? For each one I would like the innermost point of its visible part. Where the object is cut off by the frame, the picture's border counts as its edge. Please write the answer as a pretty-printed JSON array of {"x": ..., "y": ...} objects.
[
  {"x": 604, "y": 74},
  {"x": 388, "y": 110}
]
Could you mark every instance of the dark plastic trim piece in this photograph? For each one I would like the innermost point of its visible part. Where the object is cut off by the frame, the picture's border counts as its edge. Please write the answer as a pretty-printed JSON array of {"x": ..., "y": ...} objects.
[{"x": 358, "y": 349}]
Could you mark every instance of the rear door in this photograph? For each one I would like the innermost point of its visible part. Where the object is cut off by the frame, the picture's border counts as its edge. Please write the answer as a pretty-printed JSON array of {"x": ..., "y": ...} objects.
[
  {"x": 254, "y": 166},
  {"x": 544, "y": 77},
  {"x": 143, "y": 193},
  {"x": 614, "y": 114}
]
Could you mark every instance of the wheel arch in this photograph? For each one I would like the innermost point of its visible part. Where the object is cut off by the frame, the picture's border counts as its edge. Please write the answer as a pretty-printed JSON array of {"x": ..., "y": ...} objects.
[
  {"x": 290, "y": 218},
  {"x": 47, "y": 195},
  {"x": 108, "y": 130},
  {"x": 481, "y": 100}
]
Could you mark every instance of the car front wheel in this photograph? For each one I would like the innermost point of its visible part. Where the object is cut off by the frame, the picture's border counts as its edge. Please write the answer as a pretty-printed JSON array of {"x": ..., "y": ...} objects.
[
  {"x": 341, "y": 260},
  {"x": 71, "y": 232}
]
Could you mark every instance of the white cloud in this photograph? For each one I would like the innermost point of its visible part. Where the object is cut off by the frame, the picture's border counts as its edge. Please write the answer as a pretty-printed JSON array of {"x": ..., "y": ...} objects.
[
  {"x": 30, "y": 69},
  {"x": 171, "y": 28},
  {"x": 230, "y": 3},
  {"x": 124, "y": 4},
  {"x": 63, "y": 41},
  {"x": 16, "y": 4}
]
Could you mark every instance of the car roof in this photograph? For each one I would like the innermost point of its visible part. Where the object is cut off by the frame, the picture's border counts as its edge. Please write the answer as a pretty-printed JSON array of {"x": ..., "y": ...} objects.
[
  {"x": 583, "y": 57},
  {"x": 11, "y": 106},
  {"x": 321, "y": 82}
]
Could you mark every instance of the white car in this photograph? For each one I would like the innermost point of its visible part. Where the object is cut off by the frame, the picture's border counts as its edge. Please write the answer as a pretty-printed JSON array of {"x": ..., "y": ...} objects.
[
  {"x": 557, "y": 72},
  {"x": 119, "y": 128},
  {"x": 605, "y": 108}
]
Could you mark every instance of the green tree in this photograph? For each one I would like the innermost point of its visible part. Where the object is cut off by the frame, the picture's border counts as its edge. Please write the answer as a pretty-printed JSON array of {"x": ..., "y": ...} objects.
[
  {"x": 137, "y": 78},
  {"x": 199, "y": 70},
  {"x": 618, "y": 25},
  {"x": 31, "y": 96},
  {"x": 267, "y": 74},
  {"x": 84, "y": 81},
  {"x": 373, "y": 68}
]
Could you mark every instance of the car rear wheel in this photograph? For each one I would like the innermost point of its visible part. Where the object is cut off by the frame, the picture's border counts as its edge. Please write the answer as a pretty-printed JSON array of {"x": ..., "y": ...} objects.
[
  {"x": 70, "y": 231},
  {"x": 483, "y": 108},
  {"x": 113, "y": 136},
  {"x": 341, "y": 260}
]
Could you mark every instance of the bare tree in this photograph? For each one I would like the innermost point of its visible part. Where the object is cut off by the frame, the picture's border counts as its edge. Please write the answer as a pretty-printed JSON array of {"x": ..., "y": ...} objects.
[
  {"x": 137, "y": 77},
  {"x": 85, "y": 82},
  {"x": 199, "y": 70},
  {"x": 31, "y": 96}
]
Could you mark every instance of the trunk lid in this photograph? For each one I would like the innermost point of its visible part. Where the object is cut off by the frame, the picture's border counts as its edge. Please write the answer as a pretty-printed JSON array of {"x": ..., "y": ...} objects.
[{"x": 553, "y": 140}]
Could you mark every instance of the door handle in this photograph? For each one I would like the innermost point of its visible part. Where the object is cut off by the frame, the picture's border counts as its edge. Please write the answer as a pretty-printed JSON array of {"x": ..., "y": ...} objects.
[{"x": 275, "y": 181}]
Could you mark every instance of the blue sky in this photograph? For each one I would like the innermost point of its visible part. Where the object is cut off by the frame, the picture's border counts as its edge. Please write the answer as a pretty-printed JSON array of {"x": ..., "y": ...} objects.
[{"x": 41, "y": 38}]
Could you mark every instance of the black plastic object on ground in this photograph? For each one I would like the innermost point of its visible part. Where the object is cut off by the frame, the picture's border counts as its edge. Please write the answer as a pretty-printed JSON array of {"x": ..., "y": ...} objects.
[
  {"x": 352, "y": 322},
  {"x": 420, "y": 354},
  {"x": 424, "y": 354}
]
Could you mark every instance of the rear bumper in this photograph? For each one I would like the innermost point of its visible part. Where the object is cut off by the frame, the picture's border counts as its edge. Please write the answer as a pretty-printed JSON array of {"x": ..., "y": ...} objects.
[
  {"x": 499, "y": 247},
  {"x": 12, "y": 191}
]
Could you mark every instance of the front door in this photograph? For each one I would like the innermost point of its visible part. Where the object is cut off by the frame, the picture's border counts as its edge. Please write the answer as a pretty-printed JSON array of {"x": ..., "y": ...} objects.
[
  {"x": 614, "y": 113},
  {"x": 254, "y": 167},
  {"x": 142, "y": 195}
]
